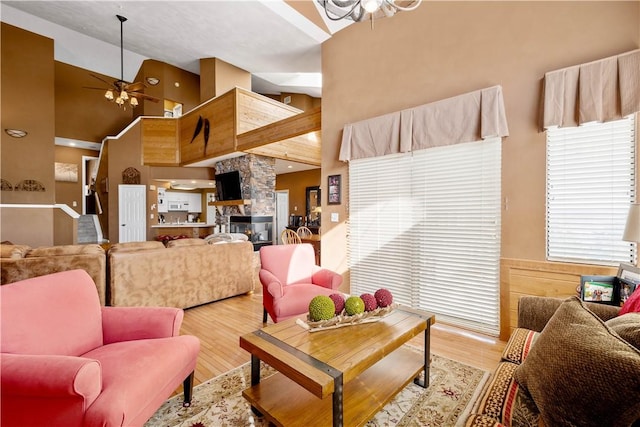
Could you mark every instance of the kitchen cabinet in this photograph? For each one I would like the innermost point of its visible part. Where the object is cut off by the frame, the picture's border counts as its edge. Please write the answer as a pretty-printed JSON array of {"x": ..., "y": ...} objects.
[
  {"x": 162, "y": 201},
  {"x": 195, "y": 202}
]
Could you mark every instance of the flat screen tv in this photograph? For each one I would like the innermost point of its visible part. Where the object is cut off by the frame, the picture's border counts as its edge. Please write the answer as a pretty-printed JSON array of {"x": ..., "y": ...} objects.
[{"x": 228, "y": 186}]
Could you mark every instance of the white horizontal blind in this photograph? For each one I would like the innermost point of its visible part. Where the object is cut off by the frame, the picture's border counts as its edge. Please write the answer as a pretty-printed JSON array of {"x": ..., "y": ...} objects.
[
  {"x": 590, "y": 185},
  {"x": 458, "y": 190},
  {"x": 427, "y": 227},
  {"x": 380, "y": 235}
]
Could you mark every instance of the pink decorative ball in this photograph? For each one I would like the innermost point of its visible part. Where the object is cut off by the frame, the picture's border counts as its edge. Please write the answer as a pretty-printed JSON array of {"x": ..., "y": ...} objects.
[
  {"x": 338, "y": 301},
  {"x": 383, "y": 297},
  {"x": 370, "y": 302}
]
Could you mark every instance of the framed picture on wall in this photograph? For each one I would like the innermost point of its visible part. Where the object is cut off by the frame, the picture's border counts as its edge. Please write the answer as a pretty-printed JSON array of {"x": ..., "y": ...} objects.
[{"x": 334, "y": 193}]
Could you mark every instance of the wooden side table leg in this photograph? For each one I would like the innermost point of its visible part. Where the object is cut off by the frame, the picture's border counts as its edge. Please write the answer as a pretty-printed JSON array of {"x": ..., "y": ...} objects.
[
  {"x": 255, "y": 379},
  {"x": 337, "y": 402},
  {"x": 427, "y": 358}
]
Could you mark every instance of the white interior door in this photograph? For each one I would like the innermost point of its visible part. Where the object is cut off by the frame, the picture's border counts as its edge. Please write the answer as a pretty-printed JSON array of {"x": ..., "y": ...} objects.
[
  {"x": 132, "y": 213},
  {"x": 282, "y": 213}
]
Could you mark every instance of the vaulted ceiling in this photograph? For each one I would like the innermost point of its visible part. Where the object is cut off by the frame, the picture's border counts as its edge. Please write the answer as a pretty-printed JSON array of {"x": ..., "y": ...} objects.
[{"x": 277, "y": 41}]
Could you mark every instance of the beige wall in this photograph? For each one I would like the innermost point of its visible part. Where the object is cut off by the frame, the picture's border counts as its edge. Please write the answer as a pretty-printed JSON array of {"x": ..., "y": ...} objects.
[
  {"x": 448, "y": 48},
  {"x": 300, "y": 101},
  {"x": 70, "y": 192},
  {"x": 218, "y": 77},
  {"x": 187, "y": 91},
  {"x": 27, "y": 86},
  {"x": 297, "y": 183},
  {"x": 82, "y": 113}
]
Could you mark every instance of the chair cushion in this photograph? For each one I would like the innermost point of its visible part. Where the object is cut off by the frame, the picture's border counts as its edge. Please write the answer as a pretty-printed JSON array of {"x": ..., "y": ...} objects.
[
  {"x": 503, "y": 399},
  {"x": 53, "y": 314},
  {"x": 138, "y": 376},
  {"x": 295, "y": 299},
  {"x": 291, "y": 264},
  {"x": 519, "y": 345},
  {"x": 628, "y": 327},
  {"x": 577, "y": 370}
]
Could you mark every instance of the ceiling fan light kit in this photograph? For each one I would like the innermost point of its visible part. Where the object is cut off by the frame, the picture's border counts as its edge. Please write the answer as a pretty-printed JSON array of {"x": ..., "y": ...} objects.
[
  {"x": 121, "y": 92},
  {"x": 359, "y": 10}
]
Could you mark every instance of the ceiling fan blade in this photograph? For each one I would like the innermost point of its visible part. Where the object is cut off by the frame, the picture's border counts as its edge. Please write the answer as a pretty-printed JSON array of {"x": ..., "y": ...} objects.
[
  {"x": 101, "y": 79},
  {"x": 143, "y": 96},
  {"x": 135, "y": 87},
  {"x": 97, "y": 88}
]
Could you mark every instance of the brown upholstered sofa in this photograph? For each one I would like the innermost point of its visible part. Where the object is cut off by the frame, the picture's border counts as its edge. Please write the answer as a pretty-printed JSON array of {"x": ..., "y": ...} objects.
[
  {"x": 582, "y": 369},
  {"x": 186, "y": 273},
  {"x": 19, "y": 262}
]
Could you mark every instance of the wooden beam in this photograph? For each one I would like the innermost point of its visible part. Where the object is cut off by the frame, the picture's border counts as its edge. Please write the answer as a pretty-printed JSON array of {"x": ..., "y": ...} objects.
[{"x": 300, "y": 124}]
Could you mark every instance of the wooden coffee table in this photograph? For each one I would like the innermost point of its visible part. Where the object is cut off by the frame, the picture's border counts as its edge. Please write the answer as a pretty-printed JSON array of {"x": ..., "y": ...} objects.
[{"x": 362, "y": 367}]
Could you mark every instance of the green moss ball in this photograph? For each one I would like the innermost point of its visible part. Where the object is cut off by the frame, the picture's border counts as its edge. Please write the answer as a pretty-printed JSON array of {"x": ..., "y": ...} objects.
[
  {"x": 354, "y": 305},
  {"x": 321, "y": 308}
]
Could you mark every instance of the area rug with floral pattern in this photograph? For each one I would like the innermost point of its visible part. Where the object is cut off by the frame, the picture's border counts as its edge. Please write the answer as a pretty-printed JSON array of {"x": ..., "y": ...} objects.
[{"x": 218, "y": 402}]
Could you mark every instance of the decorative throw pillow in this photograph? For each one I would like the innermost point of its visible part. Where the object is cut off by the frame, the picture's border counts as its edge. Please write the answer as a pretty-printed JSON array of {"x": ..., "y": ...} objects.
[
  {"x": 47, "y": 251},
  {"x": 185, "y": 242},
  {"x": 628, "y": 327},
  {"x": 14, "y": 251},
  {"x": 632, "y": 304},
  {"x": 135, "y": 246},
  {"x": 577, "y": 370}
]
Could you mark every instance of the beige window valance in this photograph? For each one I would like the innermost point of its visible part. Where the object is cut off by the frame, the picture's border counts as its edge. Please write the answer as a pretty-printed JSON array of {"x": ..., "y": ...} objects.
[
  {"x": 602, "y": 91},
  {"x": 464, "y": 118}
]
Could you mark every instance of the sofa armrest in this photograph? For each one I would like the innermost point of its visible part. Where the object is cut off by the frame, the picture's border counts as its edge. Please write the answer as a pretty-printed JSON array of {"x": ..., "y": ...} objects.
[
  {"x": 136, "y": 323},
  {"x": 326, "y": 278},
  {"x": 534, "y": 311},
  {"x": 271, "y": 284},
  {"x": 45, "y": 376}
]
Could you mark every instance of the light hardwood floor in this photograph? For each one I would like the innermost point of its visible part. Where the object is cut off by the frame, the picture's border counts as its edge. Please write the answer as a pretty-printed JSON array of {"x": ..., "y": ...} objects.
[{"x": 219, "y": 325}]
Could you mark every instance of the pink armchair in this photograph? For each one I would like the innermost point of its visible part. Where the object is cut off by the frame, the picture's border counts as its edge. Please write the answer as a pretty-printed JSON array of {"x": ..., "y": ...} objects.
[
  {"x": 67, "y": 361},
  {"x": 290, "y": 279}
]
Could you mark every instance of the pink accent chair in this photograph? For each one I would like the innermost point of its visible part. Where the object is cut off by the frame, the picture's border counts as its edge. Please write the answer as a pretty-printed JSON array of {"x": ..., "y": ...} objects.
[
  {"x": 67, "y": 361},
  {"x": 290, "y": 279}
]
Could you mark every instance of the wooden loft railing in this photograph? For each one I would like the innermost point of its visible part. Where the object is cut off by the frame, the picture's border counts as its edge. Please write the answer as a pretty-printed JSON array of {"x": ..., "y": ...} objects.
[
  {"x": 238, "y": 121},
  {"x": 295, "y": 138}
]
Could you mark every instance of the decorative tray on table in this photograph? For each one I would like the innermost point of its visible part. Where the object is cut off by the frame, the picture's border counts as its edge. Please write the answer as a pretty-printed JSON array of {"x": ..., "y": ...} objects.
[{"x": 346, "y": 320}]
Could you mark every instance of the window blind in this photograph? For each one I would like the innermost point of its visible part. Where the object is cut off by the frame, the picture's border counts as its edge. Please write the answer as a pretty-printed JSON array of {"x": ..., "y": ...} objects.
[
  {"x": 426, "y": 225},
  {"x": 380, "y": 226},
  {"x": 590, "y": 185}
]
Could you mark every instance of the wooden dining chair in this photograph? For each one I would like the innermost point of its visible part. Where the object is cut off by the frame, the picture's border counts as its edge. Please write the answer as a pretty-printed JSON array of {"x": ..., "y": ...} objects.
[
  {"x": 303, "y": 232},
  {"x": 289, "y": 237}
]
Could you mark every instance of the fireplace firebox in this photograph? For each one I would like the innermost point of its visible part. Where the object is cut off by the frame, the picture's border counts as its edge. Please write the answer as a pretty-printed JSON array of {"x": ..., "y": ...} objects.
[{"x": 259, "y": 229}]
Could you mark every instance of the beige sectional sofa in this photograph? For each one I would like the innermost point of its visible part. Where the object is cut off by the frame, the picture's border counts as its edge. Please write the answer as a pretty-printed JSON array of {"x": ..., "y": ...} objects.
[
  {"x": 186, "y": 273},
  {"x": 19, "y": 262},
  {"x": 568, "y": 363}
]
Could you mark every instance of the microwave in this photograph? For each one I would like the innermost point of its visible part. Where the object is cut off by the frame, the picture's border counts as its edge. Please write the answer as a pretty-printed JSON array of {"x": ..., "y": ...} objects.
[{"x": 177, "y": 206}]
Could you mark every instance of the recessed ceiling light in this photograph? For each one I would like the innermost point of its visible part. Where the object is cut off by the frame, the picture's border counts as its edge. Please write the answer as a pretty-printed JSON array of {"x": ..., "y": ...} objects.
[
  {"x": 16, "y": 133},
  {"x": 290, "y": 167}
]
